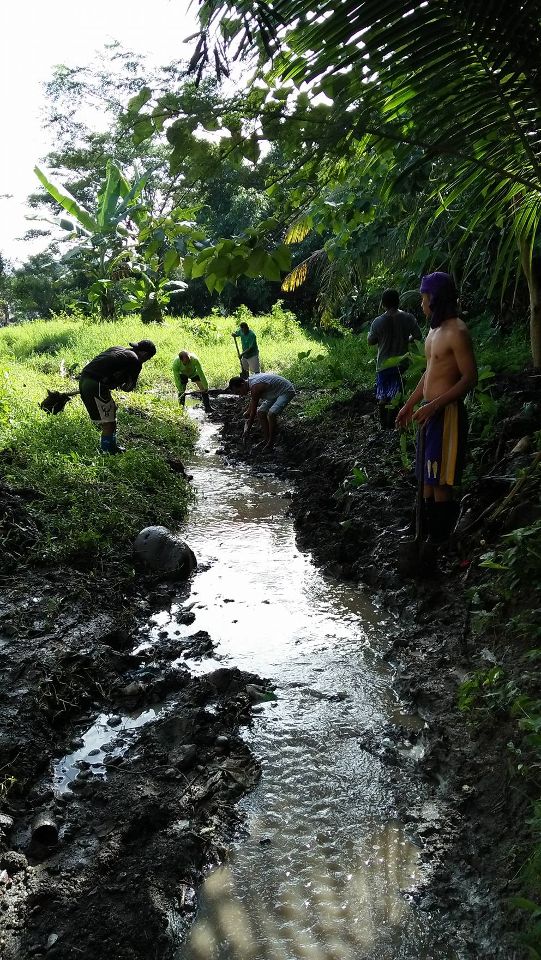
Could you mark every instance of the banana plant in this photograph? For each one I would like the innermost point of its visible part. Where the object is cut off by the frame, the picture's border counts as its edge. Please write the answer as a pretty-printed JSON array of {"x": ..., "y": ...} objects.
[{"x": 108, "y": 237}]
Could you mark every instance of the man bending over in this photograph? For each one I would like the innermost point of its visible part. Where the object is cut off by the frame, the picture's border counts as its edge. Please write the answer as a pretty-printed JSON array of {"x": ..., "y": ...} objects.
[
  {"x": 116, "y": 368},
  {"x": 450, "y": 373},
  {"x": 269, "y": 395},
  {"x": 188, "y": 367}
]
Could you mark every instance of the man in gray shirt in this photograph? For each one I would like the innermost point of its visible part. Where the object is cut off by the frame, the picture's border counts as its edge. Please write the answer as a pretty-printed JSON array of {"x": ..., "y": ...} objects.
[
  {"x": 391, "y": 333},
  {"x": 269, "y": 395}
]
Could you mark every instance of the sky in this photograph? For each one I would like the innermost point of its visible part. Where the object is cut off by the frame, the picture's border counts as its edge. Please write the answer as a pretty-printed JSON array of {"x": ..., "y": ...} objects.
[{"x": 35, "y": 36}]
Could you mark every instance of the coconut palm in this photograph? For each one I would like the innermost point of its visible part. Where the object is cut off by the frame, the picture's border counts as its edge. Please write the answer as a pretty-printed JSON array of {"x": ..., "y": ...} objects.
[{"x": 453, "y": 79}]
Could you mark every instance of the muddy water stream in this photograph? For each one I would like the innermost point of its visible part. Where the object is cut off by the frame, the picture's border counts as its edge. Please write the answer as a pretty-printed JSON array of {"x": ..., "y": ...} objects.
[{"x": 325, "y": 867}]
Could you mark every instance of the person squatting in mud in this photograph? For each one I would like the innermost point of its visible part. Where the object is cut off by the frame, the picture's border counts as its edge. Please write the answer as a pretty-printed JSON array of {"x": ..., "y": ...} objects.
[
  {"x": 450, "y": 373},
  {"x": 115, "y": 369},
  {"x": 391, "y": 333},
  {"x": 188, "y": 367},
  {"x": 269, "y": 395}
]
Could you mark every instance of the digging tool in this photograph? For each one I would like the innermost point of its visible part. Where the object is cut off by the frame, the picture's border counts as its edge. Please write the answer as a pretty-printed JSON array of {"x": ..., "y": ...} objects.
[
  {"x": 212, "y": 392},
  {"x": 243, "y": 372},
  {"x": 55, "y": 401},
  {"x": 410, "y": 551}
]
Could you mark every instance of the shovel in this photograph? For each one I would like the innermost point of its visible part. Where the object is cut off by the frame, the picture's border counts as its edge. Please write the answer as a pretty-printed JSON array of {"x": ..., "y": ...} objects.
[{"x": 410, "y": 551}]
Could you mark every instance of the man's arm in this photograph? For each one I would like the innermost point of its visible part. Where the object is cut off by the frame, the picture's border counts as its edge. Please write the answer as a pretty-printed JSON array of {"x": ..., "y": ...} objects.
[
  {"x": 405, "y": 414},
  {"x": 199, "y": 375},
  {"x": 127, "y": 379},
  {"x": 176, "y": 377},
  {"x": 373, "y": 334},
  {"x": 415, "y": 330},
  {"x": 465, "y": 360},
  {"x": 250, "y": 415}
]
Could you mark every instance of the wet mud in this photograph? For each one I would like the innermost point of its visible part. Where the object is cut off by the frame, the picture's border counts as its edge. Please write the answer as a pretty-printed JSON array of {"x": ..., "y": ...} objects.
[
  {"x": 137, "y": 763},
  {"x": 133, "y": 764},
  {"x": 474, "y": 833}
]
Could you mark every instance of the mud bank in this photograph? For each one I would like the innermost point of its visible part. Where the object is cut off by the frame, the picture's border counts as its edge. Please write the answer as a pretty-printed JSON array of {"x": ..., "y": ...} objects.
[
  {"x": 353, "y": 531},
  {"x": 136, "y": 763}
]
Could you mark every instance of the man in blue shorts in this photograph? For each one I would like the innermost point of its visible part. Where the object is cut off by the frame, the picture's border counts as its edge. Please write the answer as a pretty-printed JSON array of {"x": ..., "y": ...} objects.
[
  {"x": 451, "y": 372},
  {"x": 269, "y": 395},
  {"x": 391, "y": 333}
]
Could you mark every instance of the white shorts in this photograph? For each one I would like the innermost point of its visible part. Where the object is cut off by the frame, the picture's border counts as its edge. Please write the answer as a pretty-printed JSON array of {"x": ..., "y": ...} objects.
[
  {"x": 276, "y": 406},
  {"x": 251, "y": 363}
]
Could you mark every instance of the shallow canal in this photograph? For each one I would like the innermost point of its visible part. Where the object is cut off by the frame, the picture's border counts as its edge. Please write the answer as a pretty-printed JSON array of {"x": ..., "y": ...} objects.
[{"x": 325, "y": 870}]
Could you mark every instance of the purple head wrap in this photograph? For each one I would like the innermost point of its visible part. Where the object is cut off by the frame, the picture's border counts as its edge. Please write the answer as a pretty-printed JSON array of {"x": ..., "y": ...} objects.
[{"x": 443, "y": 296}]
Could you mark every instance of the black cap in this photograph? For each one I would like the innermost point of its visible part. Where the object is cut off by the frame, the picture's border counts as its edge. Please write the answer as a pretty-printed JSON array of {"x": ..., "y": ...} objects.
[{"x": 147, "y": 345}]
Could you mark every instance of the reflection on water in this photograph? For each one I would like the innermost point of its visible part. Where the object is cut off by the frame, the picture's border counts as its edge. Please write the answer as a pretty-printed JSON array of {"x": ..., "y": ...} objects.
[
  {"x": 324, "y": 914},
  {"x": 321, "y": 873},
  {"x": 100, "y": 742}
]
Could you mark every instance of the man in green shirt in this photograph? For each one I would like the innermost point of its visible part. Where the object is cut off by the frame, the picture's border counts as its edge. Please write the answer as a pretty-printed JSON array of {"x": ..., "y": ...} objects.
[
  {"x": 249, "y": 357},
  {"x": 188, "y": 367}
]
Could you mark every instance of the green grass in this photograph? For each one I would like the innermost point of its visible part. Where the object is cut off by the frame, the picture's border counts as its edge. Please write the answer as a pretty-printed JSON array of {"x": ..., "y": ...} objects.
[
  {"x": 92, "y": 506},
  {"x": 42, "y": 345}
]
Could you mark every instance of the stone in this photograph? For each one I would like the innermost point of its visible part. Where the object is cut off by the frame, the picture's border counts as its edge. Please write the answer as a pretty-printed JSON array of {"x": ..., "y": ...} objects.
[
  {"x": 6, "y": 822},
  {"x": 163, "y": 552},
  {"x": 114, "y": 721},
  {"x": 184, "y": 757},
  {"x": 13, "y": 861}
]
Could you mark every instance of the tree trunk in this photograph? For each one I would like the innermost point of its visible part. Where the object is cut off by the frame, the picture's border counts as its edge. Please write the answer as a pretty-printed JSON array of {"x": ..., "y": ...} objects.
[
  {"x": 531, "y": 265},
  {"x": 107, "y": 306}
]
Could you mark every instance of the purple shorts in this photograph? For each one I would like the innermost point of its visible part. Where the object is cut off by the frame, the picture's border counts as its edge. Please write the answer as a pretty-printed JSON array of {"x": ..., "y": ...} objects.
[
  {"x": 388, "y": 383},
  {"x": 446, "y": 437}
]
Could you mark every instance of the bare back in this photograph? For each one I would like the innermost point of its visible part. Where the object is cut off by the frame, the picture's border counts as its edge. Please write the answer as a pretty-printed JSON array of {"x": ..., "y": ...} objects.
[{"x": 450, "y": 358}]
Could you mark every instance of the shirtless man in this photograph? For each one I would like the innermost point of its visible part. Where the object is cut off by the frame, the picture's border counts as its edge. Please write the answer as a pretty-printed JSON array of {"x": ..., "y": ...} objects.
[
  {"x": 269, "y": 395},
  {"x": 450, "y": 373}
]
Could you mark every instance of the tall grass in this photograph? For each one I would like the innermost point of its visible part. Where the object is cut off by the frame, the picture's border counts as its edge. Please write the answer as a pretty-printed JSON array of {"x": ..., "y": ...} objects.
[{"x": 92, "y": 506}]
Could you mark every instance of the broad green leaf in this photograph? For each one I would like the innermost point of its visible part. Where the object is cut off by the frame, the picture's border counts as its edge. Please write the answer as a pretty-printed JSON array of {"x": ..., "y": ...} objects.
[
  {"x": 139, "y": 100},
  {"x": 171, "y": 261},
  {"x": 270, "y": 269},
  {"x": 67, "y": 201},
  {"x": 143, "y": 129}
]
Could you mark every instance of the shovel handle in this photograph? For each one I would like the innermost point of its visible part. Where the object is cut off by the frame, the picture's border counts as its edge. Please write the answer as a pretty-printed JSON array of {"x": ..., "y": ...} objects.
[
  {"x": 238, "y": 355},
  {"x": 420, "y": 483}
]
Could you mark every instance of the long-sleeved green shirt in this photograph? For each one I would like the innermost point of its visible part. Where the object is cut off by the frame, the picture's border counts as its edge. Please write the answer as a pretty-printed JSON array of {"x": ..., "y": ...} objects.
[
  {"x": 248, "y": 341},
  {"x": 191, "y": 370}
]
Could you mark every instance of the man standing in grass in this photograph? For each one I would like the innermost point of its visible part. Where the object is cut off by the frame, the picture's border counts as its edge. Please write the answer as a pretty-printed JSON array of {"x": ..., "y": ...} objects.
[
  {"x": 269, "y": 395},
  {"x": 391, "y": 333},
  {"x": 249, "y": 358},
  {"x": 188, "y": 367},
  {"x": 451, "y": 372},
  {"x": 115, "y": 369}
]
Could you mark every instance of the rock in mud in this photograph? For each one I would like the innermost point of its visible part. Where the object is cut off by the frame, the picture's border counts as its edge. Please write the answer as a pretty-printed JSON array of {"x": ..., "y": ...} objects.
[{"x": 162, "y": 552}]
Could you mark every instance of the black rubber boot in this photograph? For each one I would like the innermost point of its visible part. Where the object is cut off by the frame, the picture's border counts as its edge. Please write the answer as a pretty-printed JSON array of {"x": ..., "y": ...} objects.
[
  {"x": 206, "y": 402},
  {"x": 442, "y": 518},
  {"x": 387, "y": 416}
]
